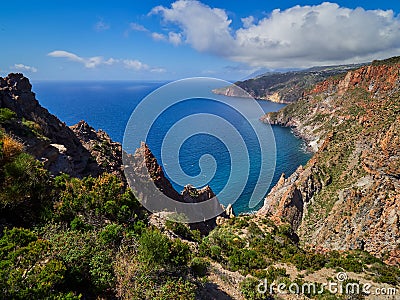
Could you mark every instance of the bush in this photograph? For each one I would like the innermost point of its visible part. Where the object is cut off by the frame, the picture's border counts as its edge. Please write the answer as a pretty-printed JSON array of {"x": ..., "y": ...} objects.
[
  {"x": 79, "y": 224},
  {"x": 95, "y": 199},
  {"x": 179, "y": 253},
  {"x": 27, "y": 268},
  {"x": 111, "y": 234},
  {"x": 248, "y": 287},
  {"x": 87, "y": 259},
  {"x": 199, "y": 266},
  {"x": 10, "y": 148},
  {"x": 6, "y": 114},
  {"x": 153, "y": 248},
  {"x": 25, "y": 190}
]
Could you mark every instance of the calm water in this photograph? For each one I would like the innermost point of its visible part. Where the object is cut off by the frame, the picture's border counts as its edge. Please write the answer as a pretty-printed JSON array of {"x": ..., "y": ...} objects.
[{"x": 108, "y": 105}]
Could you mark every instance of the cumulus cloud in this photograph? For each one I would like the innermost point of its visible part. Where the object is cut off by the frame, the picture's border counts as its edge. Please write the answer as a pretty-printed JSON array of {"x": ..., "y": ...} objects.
[
  {"x": 204, "y": 28},
  {"x": 248, "y": 21},
  {"x": 24, "y": 68},
  {"x": 298, "y": 36},
  {"x": 95, "y": 61}
]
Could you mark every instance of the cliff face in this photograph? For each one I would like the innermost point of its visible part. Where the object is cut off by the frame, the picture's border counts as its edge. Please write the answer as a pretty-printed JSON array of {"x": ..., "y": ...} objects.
[
  {"x": 79, "y": 151},
  {"x": 348, "y": 195},
  {"x": 284, "y": 87}
]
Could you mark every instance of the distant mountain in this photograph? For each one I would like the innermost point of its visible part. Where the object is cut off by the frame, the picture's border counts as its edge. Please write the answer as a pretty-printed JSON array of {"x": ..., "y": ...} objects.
[{"x": 283, "y": 87}]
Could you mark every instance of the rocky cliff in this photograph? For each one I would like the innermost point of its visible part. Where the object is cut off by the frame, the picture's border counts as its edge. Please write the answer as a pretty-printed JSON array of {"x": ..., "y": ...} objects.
[
  {"x": 78, "y": 151},
  {"x": 348, "y": 195},
  {"x": 282, "y": 87}
]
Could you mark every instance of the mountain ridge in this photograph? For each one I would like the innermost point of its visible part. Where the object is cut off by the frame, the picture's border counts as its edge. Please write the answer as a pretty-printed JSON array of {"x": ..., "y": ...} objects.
[{"x": 283, "y": 87}]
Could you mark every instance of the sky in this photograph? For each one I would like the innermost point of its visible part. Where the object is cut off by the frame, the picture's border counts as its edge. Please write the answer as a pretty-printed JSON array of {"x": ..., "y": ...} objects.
[{"x": 168, "y": 40}]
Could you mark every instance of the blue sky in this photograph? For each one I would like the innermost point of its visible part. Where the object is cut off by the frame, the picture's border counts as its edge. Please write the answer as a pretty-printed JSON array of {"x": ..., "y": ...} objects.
[{"x": 165, "y": 40}]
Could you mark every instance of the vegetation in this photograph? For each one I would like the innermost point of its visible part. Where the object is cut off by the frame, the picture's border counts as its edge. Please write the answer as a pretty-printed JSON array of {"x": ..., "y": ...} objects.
[
  {"x": 6, "y": 114},
  {"x": 89, "y": 238}
]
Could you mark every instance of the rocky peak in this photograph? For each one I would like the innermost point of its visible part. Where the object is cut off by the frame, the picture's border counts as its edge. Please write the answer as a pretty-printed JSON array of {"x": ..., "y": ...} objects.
[
  {"x": 143, "y": 162},
  {"x": 50, "y": 140}
]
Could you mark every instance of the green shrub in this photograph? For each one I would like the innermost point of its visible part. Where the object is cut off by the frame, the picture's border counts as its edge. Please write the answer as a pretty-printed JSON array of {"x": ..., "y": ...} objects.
[
  {"x": 95, "y": 199},
  {"x": 6, "y": 114},
  {"x": 153, "y": 248},
  {"x": 215, "y": 252},
  {"x": 87, "y": 259},
  {"x": 386, "y": 274},
  {"x": 25, "y": 190},
  {"x": 79, "y": 224},
  {"x": 248, "y": 287},
  {"x": 27, "y": 268},
  {"x": 111, "y": 234},
  {"x": 179, "y": 254},
  {"x": 101, "y": 270},
  {"x": 199, "y": 266}
]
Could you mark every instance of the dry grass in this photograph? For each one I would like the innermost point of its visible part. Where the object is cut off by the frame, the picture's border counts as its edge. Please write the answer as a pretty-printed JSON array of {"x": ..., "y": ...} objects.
[{"x": 11, "y": 147}]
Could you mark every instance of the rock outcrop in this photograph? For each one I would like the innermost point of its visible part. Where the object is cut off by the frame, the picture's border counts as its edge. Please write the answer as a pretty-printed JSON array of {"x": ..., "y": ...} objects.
[
  {"x": 348, "y": 195},
  {"x": 107, "y": 153},
  {"x": 144, "y": 173},
  {"x": 60, "y": 148}
]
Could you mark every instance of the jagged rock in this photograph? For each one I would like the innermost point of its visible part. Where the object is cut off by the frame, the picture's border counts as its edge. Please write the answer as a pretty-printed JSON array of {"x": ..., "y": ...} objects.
[
  {"x": 108, "y": 154},
  {"x": 144, "y": 173},
  {"x": 50, "y": 140}
]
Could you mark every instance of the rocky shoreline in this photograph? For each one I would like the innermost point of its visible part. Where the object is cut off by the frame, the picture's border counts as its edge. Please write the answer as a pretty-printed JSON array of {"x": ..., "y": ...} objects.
[{"x": 347, "y": 196}]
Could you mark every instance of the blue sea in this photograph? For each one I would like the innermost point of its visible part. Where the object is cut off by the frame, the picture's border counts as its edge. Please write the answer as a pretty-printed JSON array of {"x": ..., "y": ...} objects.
[{"x": 109, "y": 105}]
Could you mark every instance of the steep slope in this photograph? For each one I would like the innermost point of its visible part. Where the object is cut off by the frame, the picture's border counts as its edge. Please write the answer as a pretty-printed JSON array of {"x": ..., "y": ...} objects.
[
  {"x": 284, "y": 87},
  {"x": 348, "y": 195},
  {"x": 78, "y": 151}
]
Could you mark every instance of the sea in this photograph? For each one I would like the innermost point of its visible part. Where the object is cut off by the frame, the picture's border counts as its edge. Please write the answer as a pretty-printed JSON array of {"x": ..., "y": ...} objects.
[{"x": 108, "y": 105}]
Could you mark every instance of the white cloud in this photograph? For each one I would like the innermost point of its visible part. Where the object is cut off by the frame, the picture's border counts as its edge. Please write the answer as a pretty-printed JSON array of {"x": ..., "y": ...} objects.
[
  {"x": 137, "y": 27},
  {"x": 95, "y": 61},
  {"x": 90, "y": 63},
  {"x": 139, "y": 66},
  {"x": 295, "y": 37},
  {"x": 248, "y": 21},
  {"x": 135, "y": 64},
  {"x": 175, "y": 38},
  {"x": 158, "y": 36},
  {"x": 101, "y": 26},
  {"x": 204, "y": 28},
  {"x": 22, "y": 67}
]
